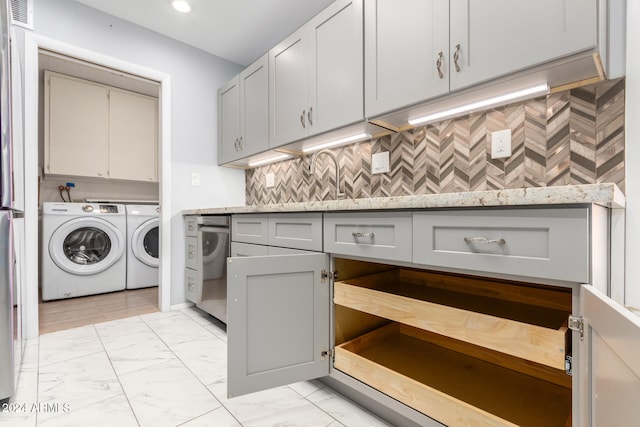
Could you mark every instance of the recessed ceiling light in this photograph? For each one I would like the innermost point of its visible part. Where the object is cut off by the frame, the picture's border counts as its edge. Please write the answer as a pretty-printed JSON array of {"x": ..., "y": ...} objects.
[{"x": 182, "y": 6}]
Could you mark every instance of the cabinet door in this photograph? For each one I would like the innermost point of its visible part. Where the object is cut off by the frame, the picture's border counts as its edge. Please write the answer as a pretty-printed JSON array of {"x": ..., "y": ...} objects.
[
  {"x": 289, "y": 89},
  {"x": 404, "y": 43},
  {"x": 254, "y": 108},
  {"x": 76, "y": 127},
  {"x": 497, "y": 37},
  {"x": 610, "y": 350},
  {"x": 229, "y": 121},
  {"x": 133, "y": 136},
  {"x": 278, "y": 321},
  {"x": 336, "y": 67}
]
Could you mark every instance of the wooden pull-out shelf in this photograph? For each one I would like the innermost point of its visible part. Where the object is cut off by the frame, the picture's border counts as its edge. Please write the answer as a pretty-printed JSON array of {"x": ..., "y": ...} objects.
[
  {"x": 522, "y": 321},
  {"x": 450, "y": 386}
]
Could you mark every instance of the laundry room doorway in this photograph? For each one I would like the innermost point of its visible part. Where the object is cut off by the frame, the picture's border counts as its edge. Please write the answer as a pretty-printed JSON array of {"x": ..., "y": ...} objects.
[{"x": 91, "y": 193}]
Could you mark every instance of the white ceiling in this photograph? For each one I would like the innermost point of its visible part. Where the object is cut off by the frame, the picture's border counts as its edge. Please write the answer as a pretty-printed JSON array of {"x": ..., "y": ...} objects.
[{"x": 237, "y": 30}]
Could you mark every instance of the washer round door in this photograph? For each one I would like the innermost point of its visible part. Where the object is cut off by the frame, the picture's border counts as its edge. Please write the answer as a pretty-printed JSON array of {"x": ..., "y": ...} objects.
[
  {"x": 145, "y": 242},
  {"x": 84, "y": 246}
]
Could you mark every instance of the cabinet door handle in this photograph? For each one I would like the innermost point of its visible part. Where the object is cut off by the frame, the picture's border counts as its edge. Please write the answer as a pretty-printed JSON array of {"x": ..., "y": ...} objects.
[
  {"x": 235, "y": 144},
  {"x": 484, "y": 240},
  {"x": 358, "y": 234},
  {"x": 240, "y": 144},
  {"x": 456, "y": 57},
  {"x": 304, "y": 125},
  {"x": 439, "y": 64},
  {"x": 309, "y": 116}
]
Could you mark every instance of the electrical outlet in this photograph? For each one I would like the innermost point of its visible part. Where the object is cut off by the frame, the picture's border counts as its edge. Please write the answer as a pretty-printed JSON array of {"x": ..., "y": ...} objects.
[
  {"x": 380, "y": 162},
  {"x": 501, "y": 144},
  {"x": 195, "y": 179},
  {"x": 270, "y": 180}
]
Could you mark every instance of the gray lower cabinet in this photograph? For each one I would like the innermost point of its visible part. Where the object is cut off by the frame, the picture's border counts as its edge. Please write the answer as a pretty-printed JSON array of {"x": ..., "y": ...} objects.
[
  {"x": 278, "y": 321},
  {"x": 436, "y": 346}
]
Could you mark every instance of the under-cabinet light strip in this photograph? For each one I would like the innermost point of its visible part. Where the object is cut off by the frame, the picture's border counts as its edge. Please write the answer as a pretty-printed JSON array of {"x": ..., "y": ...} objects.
[
  {"x": 495, "y": 101},
  {"x": 271, "y": 159},
  {"x": 345, "y": 140}
]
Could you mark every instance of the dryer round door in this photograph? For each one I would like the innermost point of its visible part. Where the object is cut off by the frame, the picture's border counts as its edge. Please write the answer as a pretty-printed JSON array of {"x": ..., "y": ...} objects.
[
  {"x": 84, "y": 246},
  {"x": 145, "y": 242}
]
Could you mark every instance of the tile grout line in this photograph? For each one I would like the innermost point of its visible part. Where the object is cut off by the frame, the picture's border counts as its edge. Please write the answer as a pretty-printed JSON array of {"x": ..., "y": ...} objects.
[{"x": 126, "y": 396}]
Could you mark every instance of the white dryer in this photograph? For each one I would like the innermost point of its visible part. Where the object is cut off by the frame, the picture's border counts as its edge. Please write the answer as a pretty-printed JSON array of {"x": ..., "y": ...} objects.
[
  {"x": 143, "y": 245},
  {"x": 83, "y": 249}
]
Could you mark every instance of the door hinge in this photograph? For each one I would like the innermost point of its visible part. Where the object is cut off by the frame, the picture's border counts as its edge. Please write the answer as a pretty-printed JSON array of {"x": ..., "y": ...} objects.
[
  {"x": 324, "y": 275},
  {"x": 576, "y": 323},
  {"x": 568, "y": 364},
  {"x": 327, "y": 353}
]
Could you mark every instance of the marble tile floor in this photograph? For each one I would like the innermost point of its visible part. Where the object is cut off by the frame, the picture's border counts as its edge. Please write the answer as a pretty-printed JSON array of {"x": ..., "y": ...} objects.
[{"x": 157, "y": 369}]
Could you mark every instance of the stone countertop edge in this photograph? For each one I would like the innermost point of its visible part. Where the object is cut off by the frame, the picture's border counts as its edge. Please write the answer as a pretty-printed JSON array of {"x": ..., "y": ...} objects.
[{"x": 607, "y": 194}]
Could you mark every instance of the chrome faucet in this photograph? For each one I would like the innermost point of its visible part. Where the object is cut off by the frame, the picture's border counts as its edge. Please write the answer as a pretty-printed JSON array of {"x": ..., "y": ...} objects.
[{"x": 312, "y": 168}]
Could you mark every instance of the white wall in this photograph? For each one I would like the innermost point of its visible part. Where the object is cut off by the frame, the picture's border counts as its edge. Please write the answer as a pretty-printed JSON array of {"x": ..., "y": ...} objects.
[{"x": 195, "y": 76}]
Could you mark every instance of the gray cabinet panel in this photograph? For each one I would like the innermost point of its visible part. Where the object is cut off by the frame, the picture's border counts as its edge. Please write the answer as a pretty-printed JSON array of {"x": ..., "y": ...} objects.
[
  {"x": 191, "y": 252},
  {"x": 296, "y": 230},
  {"x": 254, "y": 108},
  {"x": 545, "y": 243},
  {"x": 191, "y": 225},
  {"x": 250, "y": 228},
  {"x": 336, "y": 68},
  {"x": 228, "y": 120},
  {"x": 609, "y": 353},
  {"x": 403, "y": 42},
  {"x": 494, "y": 42},
  {"x": 278, "y": 321},
  {"x": 248, "y": 249},
  {"x": 383, "y": 235}
]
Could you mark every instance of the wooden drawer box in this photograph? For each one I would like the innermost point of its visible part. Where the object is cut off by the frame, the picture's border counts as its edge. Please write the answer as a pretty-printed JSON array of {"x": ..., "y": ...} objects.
[
  {"x": 545, "y": 243},
  {"x": 382, "y": 235},
  {"x": 250, "y": 228},
  {"x": 450, "y": 386},
  {"x": 527, "y": 322},
  {"x": 296, "y": 230}
]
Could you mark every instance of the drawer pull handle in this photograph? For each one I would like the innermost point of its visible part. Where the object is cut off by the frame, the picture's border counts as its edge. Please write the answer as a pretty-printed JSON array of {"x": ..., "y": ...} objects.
[
  {"x": 358, "y": 234},
  {"x": 484, "y": 240}
]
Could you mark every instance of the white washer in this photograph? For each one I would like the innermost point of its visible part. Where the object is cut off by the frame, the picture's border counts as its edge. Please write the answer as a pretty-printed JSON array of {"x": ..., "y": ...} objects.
[
  {"x": 143, "y": 245},
  {"x": 83, "y": 249}
]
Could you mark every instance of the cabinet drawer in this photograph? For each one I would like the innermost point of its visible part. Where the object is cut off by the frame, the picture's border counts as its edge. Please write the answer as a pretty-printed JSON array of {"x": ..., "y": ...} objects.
[
  {"x": 250, "y": 228},
  {"x": 192, "y": 285},
  {"x": 385, "y": 235},
  {"x": 545, "y": 243},
  {"x": 523, "y": 321},
  {"x": 297, "y": 231},
  {"x": 453, "y": 387},
  {"x": 191, "y": 225},
  {"x": 248, "y": 249},
  {"x": 191, "y": 252}
]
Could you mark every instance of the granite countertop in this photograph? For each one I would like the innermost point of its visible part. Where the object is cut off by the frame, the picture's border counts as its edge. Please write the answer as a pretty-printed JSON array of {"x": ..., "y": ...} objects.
[{"x": 608, "y": 195}]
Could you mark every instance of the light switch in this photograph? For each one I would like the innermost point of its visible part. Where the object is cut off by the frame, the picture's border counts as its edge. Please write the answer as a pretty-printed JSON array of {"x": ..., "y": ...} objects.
[
  {"x": 380, "y": 162},
  {"x": 195, "y": 179}
]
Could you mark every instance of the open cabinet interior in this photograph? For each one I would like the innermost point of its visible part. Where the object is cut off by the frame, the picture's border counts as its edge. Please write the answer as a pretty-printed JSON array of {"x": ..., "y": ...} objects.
[{"x": 463, "y": 350}]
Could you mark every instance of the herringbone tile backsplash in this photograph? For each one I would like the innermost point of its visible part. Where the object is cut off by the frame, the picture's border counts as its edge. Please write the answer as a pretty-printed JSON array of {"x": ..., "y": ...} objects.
[{"x": 572, "y": 137}]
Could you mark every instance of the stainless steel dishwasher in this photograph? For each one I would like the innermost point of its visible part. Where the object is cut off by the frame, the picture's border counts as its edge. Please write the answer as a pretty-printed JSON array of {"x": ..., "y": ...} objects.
[{"x": 207, "y": 254}]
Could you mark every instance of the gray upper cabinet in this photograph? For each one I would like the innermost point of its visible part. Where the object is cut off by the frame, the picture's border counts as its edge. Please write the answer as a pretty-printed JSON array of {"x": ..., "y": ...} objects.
[
  {"x": 278, "y": 321},
  {"x": 243, "y": 113},
  {"x": 497, "y": 37},
  {"x": 316, "y": 75},
  {"x": 417, "y": 50},
  {"x": 406, "y": 43}
]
